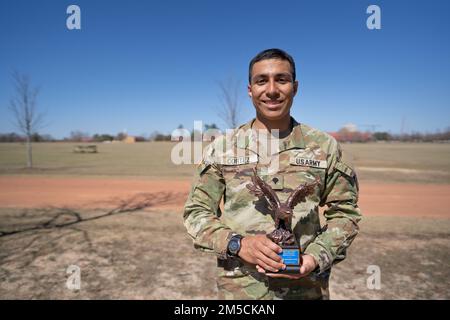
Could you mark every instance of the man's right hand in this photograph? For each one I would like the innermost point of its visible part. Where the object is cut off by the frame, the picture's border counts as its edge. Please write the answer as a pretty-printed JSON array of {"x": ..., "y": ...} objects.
[{"x": 260, "y": 250}]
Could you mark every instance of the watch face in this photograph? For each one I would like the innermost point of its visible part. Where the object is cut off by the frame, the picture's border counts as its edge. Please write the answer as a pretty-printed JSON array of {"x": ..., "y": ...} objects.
[{"x": 234, "y": 245}]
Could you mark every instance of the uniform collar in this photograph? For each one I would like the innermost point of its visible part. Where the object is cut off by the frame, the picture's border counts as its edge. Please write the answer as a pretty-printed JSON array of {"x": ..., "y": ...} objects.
[{"x": 295, "y": 140}]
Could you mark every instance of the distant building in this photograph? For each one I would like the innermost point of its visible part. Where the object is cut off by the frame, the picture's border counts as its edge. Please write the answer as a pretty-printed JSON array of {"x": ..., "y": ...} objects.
[
  {"x": 129, "y": 139},
  {"x": 350, "y": 133},
  {"x": 350, "y": 127}
]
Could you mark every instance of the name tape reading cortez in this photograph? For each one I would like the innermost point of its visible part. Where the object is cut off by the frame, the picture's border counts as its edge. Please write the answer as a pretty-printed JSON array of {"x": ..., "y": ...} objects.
[{"x": 232, "y": 161}]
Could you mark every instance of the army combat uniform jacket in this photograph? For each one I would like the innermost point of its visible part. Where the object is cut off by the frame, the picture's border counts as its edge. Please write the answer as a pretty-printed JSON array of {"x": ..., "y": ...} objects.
[{"x": 305, "y": 155}]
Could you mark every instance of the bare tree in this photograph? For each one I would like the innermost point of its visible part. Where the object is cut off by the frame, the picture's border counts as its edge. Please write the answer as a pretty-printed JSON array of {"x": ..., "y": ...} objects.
[
  {"x": 229, "y": 98},
  {"x": 23, "y": 107}
]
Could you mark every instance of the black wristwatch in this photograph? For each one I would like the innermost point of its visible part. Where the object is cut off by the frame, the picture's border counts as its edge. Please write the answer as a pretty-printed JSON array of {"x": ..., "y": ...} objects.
[{"x": 234, "y": 245}]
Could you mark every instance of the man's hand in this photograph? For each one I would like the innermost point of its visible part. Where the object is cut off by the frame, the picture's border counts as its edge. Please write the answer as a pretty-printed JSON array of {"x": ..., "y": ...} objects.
[
  {"x": 261, "y": 251},
  {"x": 308, "y": 265}
]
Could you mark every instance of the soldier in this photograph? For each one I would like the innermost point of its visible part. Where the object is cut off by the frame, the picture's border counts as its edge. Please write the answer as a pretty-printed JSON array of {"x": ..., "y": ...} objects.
[{"x": 289, "y": 154}]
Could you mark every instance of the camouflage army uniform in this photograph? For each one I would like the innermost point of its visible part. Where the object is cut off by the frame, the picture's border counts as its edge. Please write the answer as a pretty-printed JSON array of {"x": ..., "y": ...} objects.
[{"x": 225, "y": 171}]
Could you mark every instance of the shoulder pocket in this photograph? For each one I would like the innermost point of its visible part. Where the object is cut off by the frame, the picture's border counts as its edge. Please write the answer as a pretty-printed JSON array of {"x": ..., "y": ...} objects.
[
  {"x": 345, "y": 169},
  {"x": 348, "y": 171},
  {"x": 202, "y": 168}
]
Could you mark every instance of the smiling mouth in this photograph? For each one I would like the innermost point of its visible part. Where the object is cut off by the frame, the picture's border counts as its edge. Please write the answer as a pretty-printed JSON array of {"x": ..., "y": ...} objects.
[{"x": 273, "y": 103}]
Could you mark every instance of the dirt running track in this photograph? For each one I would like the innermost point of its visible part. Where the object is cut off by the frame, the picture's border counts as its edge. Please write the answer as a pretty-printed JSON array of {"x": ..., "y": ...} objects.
[{"x": 421, "y": 200}]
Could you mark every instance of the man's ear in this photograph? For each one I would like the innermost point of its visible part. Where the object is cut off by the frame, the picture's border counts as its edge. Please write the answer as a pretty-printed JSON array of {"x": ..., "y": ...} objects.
[
  {"x": 295, "y": 87},
  {"x": 249, "y": 90}
]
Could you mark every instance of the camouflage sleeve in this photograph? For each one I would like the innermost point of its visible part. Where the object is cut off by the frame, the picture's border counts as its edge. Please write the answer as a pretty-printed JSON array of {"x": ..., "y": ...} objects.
[
  {"x": 340, "y": 195},
  {"x": 202, "y": 210}
]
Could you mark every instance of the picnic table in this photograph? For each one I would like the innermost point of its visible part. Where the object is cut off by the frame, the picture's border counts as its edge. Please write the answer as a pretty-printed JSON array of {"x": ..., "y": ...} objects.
[{"x": 92, "y": 148}]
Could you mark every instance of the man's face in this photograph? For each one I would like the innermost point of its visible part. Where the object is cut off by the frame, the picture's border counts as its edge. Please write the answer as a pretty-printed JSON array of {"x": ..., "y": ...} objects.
[{"x": 272, "y": 89}]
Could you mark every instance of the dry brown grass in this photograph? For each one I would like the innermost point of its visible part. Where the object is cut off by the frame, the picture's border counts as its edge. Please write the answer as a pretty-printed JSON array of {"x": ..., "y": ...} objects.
[
  {"x": 386, "y": 162},
  {"x": 147, "y": 255}
]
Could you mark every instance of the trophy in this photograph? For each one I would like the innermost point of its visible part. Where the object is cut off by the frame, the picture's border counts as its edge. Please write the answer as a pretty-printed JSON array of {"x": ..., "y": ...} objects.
[{"x": 282, "y": 213}]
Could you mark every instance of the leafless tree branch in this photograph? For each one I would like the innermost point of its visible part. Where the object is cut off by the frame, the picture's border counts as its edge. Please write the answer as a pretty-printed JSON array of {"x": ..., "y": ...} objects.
[
  {"x": 23, "y": 106},
  {"x": 229, "y": 98}
]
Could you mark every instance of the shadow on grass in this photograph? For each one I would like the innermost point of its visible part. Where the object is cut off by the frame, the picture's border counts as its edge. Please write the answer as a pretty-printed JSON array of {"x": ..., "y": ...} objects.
[{"x": 58, "y": 215}]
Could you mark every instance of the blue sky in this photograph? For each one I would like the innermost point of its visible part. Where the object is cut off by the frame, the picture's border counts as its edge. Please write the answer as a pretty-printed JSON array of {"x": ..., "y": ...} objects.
[{"x": 152, "y": 65}]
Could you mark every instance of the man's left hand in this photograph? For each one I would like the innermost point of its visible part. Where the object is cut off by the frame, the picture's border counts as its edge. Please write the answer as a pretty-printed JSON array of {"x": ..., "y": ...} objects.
[{"x": 308, "y": 265}]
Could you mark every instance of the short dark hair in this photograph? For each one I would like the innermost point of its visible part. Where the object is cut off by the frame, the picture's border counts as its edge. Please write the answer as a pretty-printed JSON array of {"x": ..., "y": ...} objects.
[{"x": 273, "y": 53}]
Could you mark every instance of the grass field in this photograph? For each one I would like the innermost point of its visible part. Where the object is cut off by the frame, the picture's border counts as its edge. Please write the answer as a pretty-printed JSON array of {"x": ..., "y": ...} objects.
[
  {"x": 399, "y": 162},
  {"x": 118, "y": 260},
  {"x": 148, "y": 160}
]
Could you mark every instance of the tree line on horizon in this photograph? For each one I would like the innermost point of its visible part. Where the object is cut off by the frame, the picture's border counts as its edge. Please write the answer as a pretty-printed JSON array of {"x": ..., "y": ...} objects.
[
  {"x": 80, "y": 136},
  {"x": 344, "y": 135},
  {"x": 341, "y": 136}
]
